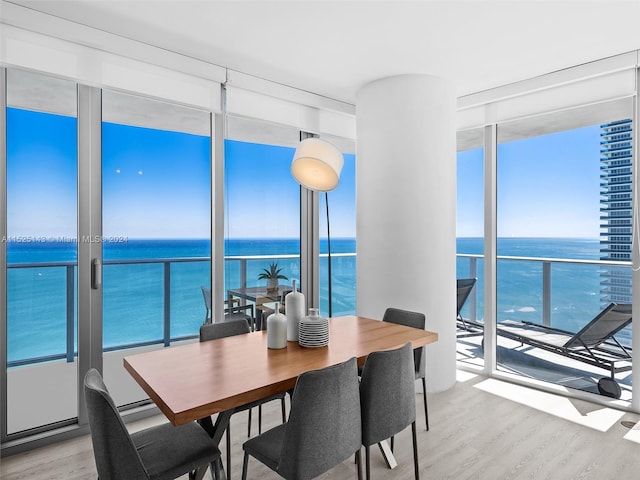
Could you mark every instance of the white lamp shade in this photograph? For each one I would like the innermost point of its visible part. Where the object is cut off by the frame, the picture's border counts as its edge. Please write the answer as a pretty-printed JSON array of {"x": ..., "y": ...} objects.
[{"x": 317, "y": 165}]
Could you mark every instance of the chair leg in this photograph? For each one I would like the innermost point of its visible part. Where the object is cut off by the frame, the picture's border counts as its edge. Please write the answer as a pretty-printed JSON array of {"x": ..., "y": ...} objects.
[
  {"x": 359, "y": 463},
  {"x": 415, "y": 450},
  {"x": 199, "y": 473},
  {"x": 215, "y": 465},
  {"x": 259, "y": 419},
  {"x": 367, "y": 457},
  {"x": 245, "y": 463},
  {"x": 249, "y": 424},
  {"x": 228, "y": 471},
  {"x": 426, "y": 413},
  {"x": 284, "y": 411}
]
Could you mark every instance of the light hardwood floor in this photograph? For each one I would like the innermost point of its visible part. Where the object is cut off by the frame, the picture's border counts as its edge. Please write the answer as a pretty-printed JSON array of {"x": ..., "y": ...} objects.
[{"x": 480, "y": 429}]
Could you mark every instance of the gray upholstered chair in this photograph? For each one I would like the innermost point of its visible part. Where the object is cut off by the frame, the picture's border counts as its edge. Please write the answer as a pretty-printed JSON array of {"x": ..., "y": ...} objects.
[
  {"x": 416, "y": 320},
  {"x": 387, "y": 398},
  {"x": 323, "y": 430},
  {"x": 160, "y": 452},
  {"x": 213, "y": 331}
]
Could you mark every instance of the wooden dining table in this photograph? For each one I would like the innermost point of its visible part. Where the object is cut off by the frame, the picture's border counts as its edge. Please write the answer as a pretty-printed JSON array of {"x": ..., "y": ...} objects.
[{"x": 194, "y": 381}]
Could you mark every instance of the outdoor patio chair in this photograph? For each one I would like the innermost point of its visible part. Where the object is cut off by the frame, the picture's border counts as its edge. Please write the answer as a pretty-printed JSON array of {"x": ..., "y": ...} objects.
[
  {"x": 233, "y": 311},
  {"x": 467, "y": 327},
  {"x": 595, "y": 344}
]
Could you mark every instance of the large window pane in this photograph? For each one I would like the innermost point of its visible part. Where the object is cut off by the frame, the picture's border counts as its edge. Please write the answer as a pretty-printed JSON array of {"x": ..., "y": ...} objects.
[
  {"x": 470, "y": 243},
  {"x": 262, "y": 221},
  {"x": 156, "y": 190},
  {"x": 342, "y": 226},
  {"x": 42, "y": 250},
  {"x": 564, "y": 238}
]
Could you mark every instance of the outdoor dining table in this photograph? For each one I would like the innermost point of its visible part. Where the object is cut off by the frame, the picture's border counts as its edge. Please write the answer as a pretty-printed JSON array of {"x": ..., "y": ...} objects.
[
  {"x": 194, "y": 381},
  {"x": 259, "y": 296}
]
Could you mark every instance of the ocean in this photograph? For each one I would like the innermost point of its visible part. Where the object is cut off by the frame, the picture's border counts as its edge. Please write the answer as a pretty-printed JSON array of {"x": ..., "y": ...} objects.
[{"x": 134, "y": 273}]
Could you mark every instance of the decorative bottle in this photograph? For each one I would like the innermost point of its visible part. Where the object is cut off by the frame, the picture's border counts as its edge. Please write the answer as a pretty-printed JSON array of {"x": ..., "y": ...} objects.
[
  {"x": 276, "y": 329},
  {"x": 294, "y": 311}
]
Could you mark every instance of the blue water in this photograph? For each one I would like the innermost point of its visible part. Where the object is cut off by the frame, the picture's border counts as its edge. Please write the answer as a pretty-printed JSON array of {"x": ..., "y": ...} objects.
[
  {"x": 575, "y": 288},
  {"x": 133, "y": 299},
  {"x": 133, "y": 293}
]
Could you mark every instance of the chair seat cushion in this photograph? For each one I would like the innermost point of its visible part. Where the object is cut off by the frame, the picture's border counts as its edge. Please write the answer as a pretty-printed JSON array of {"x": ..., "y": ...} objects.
[
  {"x": 168, "y": 452},
  {"x": 267, "y": 447}
]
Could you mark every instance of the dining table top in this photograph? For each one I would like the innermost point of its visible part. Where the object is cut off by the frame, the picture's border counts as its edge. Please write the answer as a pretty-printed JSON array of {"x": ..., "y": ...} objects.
[{"x": 191, "y": 381}]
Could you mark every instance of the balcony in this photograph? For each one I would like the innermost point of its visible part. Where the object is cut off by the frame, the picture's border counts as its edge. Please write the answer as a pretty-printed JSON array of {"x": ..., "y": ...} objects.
[
  {"x": 566, "y": 294},
  {"x": 536, "y": 295}
]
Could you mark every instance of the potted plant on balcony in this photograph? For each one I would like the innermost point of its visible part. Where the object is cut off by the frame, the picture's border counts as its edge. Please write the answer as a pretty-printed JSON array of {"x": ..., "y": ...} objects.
[{"x": 272, "y": 275}]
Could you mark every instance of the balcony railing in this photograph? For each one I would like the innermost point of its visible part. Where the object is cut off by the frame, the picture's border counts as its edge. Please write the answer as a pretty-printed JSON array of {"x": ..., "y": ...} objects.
[
  {"x": 239, "y": 277},
  {"x": 546, "y": 264},
  {"x": 240, "y": 266}
]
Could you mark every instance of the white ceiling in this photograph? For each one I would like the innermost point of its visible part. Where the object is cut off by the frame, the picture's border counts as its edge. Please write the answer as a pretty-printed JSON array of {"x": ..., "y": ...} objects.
[{"x": 334, "y": 47}]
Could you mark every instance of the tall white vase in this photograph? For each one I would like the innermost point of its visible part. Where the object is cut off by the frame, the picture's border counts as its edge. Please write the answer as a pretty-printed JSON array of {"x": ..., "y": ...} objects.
[
  {"x": 294, "y": 310},
  {"x": 276, "y": 329}
]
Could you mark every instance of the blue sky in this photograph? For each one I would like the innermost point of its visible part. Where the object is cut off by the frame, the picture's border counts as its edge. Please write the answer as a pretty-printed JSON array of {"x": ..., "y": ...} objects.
[
  {"x": 156, "y": 184},
  {"x": 41, "y": 174},
  {"x": 263, "y": 199},
  {"x": 548, "y": 186}
]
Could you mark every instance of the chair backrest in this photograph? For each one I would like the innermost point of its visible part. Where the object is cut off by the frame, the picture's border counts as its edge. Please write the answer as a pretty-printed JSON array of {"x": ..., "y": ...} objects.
[
  {"x": 115, "y": 454},
  {"x": 606, "y": 324},
  {"x": 387, "y": 394},
  {"x": 206, "y": 293},
  {"x": 212, "y": 331},
  {"x": 463, "y": 289},
  {"x": 324, "y": 426},
  {"x": 410, "y": 319}
]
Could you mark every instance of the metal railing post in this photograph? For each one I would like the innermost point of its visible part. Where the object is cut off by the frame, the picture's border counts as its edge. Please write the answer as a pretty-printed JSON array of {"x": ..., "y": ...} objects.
[
  {"x": 243, "y": 273},
  {"x": 546, "y": 293},
  {"x": 167, "y": 303},
  {"x": 70, "y": 317},
  {"x": 473, "y": 273}
]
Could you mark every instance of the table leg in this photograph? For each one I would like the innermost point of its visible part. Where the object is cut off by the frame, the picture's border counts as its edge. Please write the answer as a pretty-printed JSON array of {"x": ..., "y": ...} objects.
[
  {"x": 387, "y": 454},
  {"x": 217, "y": 431}
]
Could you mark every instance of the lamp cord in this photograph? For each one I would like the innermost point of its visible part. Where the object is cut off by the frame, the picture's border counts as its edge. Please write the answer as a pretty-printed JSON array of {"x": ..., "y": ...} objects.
[{"x": 326, "y": 202}]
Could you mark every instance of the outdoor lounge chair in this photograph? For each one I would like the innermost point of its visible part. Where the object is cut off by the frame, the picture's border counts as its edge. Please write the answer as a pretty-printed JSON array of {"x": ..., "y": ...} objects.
[
  {"x": 466, "y": 327},
  {"x": 594, "y": 345}
]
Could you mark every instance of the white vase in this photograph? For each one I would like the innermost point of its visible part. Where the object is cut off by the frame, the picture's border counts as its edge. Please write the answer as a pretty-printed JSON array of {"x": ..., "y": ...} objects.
[
  {"x": 276, "y": 329},
  {"x": 294, "y": 310}
]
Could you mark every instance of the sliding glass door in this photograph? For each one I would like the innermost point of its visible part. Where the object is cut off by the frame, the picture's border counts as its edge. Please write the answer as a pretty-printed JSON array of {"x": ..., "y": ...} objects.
[
  {"x": 564, "y": 241},
  {"x": 151, "y": 163},
  {"x": 41, "y": 246}
]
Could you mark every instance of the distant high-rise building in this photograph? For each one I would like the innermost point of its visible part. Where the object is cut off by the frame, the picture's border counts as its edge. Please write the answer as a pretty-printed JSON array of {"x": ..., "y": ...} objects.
[{"x": 616, "y": 209}]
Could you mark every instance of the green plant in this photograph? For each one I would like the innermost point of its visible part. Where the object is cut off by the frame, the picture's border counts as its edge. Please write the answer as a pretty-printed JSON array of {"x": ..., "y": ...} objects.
[{"x": 272, "y": 272}]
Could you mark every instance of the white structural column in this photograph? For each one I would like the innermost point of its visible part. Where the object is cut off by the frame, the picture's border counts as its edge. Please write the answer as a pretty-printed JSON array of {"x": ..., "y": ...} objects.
[{"x": 406, "y": 208}]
